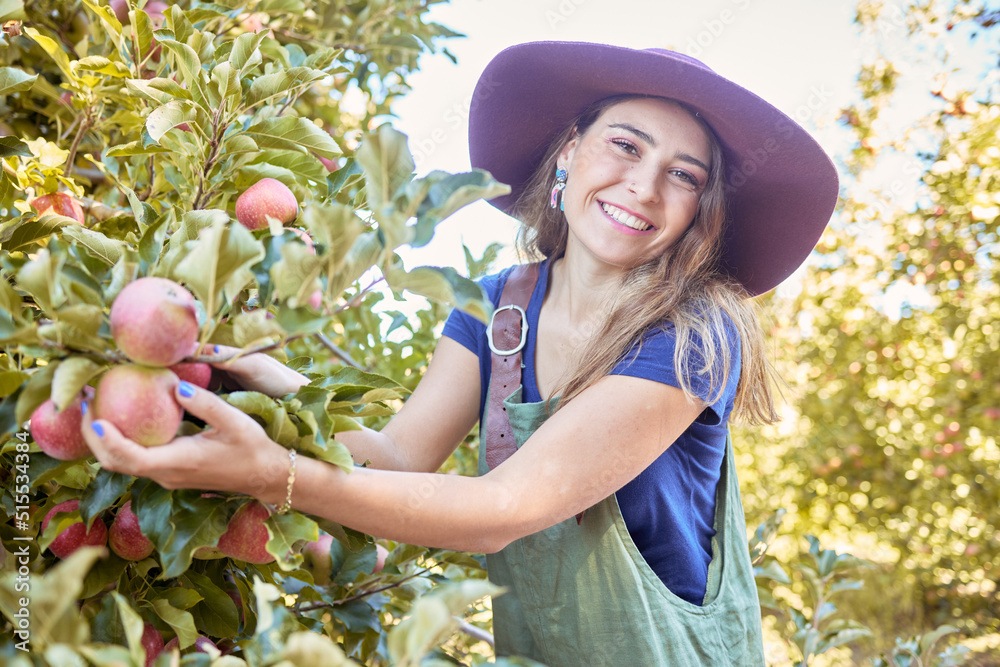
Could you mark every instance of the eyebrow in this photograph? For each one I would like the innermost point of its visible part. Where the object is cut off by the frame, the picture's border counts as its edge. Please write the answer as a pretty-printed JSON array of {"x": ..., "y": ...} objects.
[{"x": 649, "y": 140}]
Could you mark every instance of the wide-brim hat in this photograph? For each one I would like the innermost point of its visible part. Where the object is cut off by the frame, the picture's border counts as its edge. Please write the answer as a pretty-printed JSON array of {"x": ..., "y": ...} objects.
[{"x": 781, "y": 186}]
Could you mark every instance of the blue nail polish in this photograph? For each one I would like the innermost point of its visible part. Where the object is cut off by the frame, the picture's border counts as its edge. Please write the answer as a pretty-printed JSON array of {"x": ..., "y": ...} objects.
[
  {"x": 187, "y": 391},
  {"x": 216, "y": 349},
  {"x": 83, "y": 407},
  {"x": 98, "y": 429}
]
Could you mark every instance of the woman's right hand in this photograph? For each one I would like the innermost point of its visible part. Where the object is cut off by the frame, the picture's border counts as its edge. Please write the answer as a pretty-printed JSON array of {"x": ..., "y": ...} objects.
[{"x": 259, "y": 372}]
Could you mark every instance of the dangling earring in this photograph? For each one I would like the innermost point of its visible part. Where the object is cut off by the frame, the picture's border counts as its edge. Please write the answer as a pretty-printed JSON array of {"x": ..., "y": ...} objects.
[{"x": 557, "y": 189}]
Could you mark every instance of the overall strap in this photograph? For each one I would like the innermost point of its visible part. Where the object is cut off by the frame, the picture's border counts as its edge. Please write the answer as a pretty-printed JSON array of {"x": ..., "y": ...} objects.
[{"x": 507, "y": 333}]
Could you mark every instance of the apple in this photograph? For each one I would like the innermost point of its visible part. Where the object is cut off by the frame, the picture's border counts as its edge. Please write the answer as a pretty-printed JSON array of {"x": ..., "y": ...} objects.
[
  {"x": 125, "y": 537},
  {"x": 140, "y": 402},
  {"x": 201, "y": 645},
  {"x": 266, "y": 197},
  {"x": 76, "y": 535},
  {"x": 154, "y": 321},
  {"x": 59, "y": 203},
  {"x": 317, "y": 559},
  {"x": 58, "y": 433},
  {"x": 316, "y": 298},
  {"x": 152, "y": 641},
  {"x": 383, "y": 553},
  {"x": 246, "y": 536},
  {"x": 194, "y": 372}
]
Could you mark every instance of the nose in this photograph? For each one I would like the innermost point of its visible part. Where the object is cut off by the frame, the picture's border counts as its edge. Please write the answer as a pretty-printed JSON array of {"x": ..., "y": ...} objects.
[{"x": 644, "y": 184}]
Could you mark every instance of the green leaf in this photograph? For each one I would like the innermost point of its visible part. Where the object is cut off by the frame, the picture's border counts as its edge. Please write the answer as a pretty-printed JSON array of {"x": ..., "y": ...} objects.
[
  {"x": 191, "y": 71},
  {"x": 100, "y": 246},
  {"x": 444, "y": 285},
  {"x": 447, "y": 194},
  {"x": 54, "y": 613},
  {"x": 165, "y": 118},
  {"x": 31, "y": 231},
  {"x": 102, "y": 65},
  {"x": 14, "y": 80},
  {"x": 432, "y": 620},
  {"x": 159, "y": 90},
  {"x": 73, "y": 373},
  {"x": 182, "y": 622},
  {"x": 310, "y": 649},
  {"x": 135, "y": 148},
  {"x": 222, "y": 252},
  {"x": 291, "y": 133},
  {"x": 245, "y": 54},
  {"x": 387, "y": 164},
  {"x": 216, "y": 614},
  {"x": 133, "y": 628},
  {"x": 55, "y": 50},
  {"x": 284, "y": 531},
  {"x": 224, "y": 84},
  {"x": 276, "y": 84},
  {"x": 11, "y": 10},
  {"x": 103, "y": 493}
]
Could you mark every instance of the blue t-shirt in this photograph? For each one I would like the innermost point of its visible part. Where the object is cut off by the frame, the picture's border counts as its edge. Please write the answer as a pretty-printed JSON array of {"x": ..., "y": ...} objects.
[{"x": 669, "y": 507}]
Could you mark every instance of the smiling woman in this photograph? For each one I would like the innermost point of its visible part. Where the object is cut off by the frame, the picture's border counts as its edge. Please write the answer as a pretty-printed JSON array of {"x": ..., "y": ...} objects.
[{"x": 607, "y": 501}]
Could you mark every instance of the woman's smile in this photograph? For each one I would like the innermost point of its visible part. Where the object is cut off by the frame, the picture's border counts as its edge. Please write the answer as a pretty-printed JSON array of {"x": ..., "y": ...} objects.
[{"x": 625, "y": 218}]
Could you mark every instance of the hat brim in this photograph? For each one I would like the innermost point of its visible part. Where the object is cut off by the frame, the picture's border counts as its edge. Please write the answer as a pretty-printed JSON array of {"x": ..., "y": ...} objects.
[{"x": 782, "y": 187}]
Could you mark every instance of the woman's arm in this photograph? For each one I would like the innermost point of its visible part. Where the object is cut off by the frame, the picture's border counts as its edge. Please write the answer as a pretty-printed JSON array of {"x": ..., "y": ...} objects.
[
  {"x": 433, "y": 421},
  {"x": 583, "y": 453}
]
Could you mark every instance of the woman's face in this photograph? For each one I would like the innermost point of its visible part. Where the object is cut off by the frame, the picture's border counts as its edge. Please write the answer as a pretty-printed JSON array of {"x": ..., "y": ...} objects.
[{"x": 635, "y": 178}]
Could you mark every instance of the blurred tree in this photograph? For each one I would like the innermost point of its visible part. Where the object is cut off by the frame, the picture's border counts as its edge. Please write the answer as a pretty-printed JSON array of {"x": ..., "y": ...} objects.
[{"x": 891, "y": 348}]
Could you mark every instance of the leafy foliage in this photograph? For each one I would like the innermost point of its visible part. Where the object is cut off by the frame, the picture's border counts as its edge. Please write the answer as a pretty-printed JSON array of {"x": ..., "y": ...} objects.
[{"x": 153, "y": 121}]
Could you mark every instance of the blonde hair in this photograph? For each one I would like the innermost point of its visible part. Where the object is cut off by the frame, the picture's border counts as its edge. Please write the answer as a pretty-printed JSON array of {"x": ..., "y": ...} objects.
[{"x": 695, "y": 294}]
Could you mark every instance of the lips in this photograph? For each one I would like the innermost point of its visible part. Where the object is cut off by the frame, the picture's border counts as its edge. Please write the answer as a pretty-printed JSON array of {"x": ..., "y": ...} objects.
[{"x": 623, "y": 217}]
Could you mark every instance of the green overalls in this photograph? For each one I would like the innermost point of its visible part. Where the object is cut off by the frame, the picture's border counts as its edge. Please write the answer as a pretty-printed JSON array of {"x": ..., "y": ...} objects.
[{"x": 583, "y": 596}]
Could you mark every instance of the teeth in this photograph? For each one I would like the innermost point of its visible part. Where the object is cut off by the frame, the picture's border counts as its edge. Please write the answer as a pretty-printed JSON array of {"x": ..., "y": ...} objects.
[{"x": 624, "y": 218}]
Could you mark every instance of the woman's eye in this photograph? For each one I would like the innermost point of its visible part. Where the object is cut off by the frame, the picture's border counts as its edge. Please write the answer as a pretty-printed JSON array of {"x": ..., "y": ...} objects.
[
  {"x": 626, "y": 146},
  {"x": 686, "y": 177}
]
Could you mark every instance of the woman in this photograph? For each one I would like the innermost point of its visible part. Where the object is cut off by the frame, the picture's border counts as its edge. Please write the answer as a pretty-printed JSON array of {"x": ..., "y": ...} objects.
[{"x": 659, "y": 196}]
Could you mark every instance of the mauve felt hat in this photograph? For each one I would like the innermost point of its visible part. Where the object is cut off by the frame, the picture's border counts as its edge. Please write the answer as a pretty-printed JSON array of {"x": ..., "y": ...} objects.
[{"x": 781, "y": 186}]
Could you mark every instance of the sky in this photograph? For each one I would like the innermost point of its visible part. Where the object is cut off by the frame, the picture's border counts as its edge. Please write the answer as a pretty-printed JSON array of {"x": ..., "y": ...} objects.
[{"x": 802, "y": 57}]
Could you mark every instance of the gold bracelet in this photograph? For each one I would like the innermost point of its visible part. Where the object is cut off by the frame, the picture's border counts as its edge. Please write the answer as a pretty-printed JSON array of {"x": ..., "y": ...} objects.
[{"x": 291, "y": 481}]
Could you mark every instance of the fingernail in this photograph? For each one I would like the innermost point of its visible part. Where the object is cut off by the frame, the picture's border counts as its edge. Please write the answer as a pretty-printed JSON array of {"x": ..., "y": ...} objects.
[
  {"x": 186, "y": 390},
  {"x": 98, "y": 429},
  {"x": 83, "y": 407}
]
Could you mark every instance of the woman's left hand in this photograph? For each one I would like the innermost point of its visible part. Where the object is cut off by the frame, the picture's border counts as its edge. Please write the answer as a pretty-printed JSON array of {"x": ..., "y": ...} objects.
[{"x": 233, "y": 454}]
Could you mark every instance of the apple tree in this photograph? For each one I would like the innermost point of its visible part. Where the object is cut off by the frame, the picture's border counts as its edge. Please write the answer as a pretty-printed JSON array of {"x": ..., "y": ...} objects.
[{"x": 235, "y": 154}]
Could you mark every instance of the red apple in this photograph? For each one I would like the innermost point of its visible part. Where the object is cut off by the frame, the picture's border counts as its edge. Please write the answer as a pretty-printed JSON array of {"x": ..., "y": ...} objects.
[
  {"x": 125, "y": 537},
  {"x": 140, "y": 402},
  {"x": 246, "y": 537},
  {"x": 58, "y": 433},
  {"x": 154, "y": 321},
  {"x": 383, "y": 553},
  {"x": 152, "y": 641},
  {"x": 266, "y": 197},
  {"x": 76, "y": 535},
  {"x": 59, "y": 203},
  {"x": 201, "y": 645},
  {"x": 194, "y": 372}
]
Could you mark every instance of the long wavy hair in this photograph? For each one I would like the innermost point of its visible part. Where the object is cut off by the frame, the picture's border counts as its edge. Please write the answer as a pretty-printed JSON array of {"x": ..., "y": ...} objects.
[{"x": 694, "y": 293}]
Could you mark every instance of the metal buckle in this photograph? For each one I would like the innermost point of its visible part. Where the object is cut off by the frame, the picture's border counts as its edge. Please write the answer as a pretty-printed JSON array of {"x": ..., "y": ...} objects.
[{"x": 524, "y": 331}]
